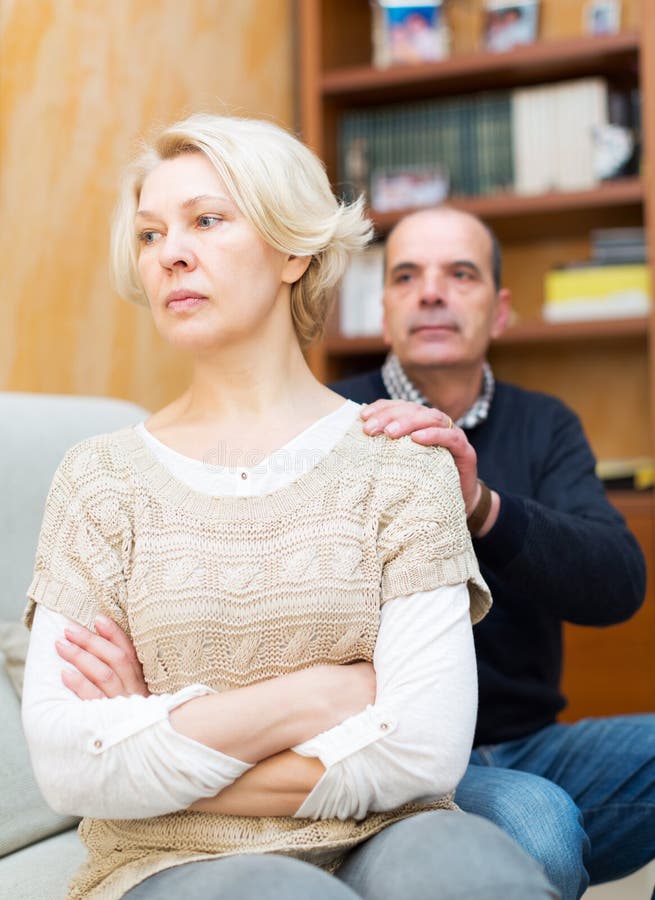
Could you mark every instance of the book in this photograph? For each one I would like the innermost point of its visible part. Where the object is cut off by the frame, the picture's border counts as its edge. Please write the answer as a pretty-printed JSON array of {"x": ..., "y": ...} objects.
[
  {"x": 360, "y": 295},
  {"x": 633, "y": 473},
  {"x": 587, "y": 292}
]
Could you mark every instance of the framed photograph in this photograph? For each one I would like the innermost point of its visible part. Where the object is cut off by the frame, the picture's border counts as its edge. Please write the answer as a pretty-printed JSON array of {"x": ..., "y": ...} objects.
[
  {"x": 406, "y": 33},
  {"x": 602, "y": 17},
  {"x": 508, "y": 25},
  {"x": 409, "y": 188}
]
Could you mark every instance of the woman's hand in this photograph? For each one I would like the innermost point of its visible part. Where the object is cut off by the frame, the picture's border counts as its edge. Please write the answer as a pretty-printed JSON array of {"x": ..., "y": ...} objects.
[
  {"x": 106, "y": 664},
  {"x": 277, "y": 786}
]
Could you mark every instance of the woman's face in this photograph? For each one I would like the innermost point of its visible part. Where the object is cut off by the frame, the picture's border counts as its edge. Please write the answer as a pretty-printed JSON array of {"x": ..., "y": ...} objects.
[{"x": 209, "y": 277}]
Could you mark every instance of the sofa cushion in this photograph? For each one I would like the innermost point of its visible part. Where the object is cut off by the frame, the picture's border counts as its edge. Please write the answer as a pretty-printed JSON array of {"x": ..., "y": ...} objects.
[
  {"x": 37, "y": 430},
  {"x": 14, "y": 638},
  {"x": 42, "y": 871},
  {"x": 24, "y": 815}
]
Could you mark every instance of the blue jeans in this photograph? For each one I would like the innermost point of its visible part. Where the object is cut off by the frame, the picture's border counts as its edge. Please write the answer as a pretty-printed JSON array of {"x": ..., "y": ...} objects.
[
  {"x": 442, "y": 855},
  {"x": 578, "y": 798}
]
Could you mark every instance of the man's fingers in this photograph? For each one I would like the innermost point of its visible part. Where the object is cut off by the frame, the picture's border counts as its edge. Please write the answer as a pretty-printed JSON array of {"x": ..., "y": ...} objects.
[
  {"x": 81, "y": 686},
  {"x": 436, "y": 437},
  {"x": 397, "y": 422}
]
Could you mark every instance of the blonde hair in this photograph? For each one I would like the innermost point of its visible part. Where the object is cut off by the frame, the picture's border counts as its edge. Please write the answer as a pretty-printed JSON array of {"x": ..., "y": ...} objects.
[{"x": 277, "y": 183}]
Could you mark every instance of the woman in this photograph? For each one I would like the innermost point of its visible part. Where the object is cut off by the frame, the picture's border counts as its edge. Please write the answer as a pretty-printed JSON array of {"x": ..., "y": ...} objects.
[{"x": 256, "y": 592}]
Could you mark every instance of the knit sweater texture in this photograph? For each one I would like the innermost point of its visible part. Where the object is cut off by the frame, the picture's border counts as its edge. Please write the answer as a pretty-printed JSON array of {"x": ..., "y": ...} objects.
[{"x": 230, "y": 591}]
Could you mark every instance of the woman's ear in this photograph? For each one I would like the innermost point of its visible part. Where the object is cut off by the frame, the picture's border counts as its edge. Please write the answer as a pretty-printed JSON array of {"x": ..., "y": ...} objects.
[{"x": 294, "y": 268}]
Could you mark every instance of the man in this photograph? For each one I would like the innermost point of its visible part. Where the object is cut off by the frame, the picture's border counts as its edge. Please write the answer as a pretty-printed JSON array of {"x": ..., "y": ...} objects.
[{"x": 580, "y": 798}]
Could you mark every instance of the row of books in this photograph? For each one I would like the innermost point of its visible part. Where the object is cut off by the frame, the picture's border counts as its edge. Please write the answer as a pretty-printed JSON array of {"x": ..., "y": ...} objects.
[
  {"x": 618, "y": 245},
  {"x": 590, "y": 291},
  {"x": 529, "y": 140}
]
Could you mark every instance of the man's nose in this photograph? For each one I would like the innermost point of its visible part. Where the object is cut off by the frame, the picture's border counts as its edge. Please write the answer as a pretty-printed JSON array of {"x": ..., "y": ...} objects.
[{"x": 433, "y": 291}]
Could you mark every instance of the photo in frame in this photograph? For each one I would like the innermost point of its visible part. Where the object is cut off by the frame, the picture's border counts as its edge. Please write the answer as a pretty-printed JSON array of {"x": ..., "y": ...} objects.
[
  {"x": 408, "y": 33},
  {"x": 602, "y": 17},
  {"x": 509, "y": 25}
]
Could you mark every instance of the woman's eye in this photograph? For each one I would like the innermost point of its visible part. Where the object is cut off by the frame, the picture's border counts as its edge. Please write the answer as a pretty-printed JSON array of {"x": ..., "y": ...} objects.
[
  {"x": 147, "y": 237},
  {"x": 208, "y": 221}
]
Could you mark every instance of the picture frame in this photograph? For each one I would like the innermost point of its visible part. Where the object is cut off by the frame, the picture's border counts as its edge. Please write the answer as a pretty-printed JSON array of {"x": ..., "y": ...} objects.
[
  {"x": 412, "y": 187},
  {"x": 509, "y": 25},
  {"x": 602, "y": 17},
  {"x": 407, "y": 33}
]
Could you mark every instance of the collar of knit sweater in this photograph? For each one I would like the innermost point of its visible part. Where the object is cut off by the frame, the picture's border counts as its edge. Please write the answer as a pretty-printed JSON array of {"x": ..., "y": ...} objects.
[{"x": 352, "y": 450}]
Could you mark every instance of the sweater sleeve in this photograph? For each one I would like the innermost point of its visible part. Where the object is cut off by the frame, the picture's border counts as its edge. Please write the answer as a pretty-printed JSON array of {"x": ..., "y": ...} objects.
[
  {"x": 565, "y": 547},
  {"x": 423, "y": 542},
  {"x": 111, "y": 758},
  {"x": 414, "y": 742},
  {"x": 84, "y": 548}
]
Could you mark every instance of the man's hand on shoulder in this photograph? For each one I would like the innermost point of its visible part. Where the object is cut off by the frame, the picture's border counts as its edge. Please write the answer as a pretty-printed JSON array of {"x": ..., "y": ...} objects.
[{"x": 432, "y": 428}]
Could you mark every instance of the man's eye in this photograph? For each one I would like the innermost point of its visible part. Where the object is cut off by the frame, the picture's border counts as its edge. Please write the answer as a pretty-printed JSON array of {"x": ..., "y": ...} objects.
[
  {"x": 402, "y": 278},
  {"x": 462, "y": 274},
  {"x": 208, "y": 221}
]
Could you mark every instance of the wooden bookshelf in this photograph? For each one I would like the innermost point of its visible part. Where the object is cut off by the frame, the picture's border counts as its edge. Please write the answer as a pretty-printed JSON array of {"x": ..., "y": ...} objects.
[
  {"x": 547, "y": 61},
  {"x": 620, "y": 192},
  {"x": 530, "y": 332},
  {"x": 536, "y": 232},
  {"x": 603, "y": 369}
]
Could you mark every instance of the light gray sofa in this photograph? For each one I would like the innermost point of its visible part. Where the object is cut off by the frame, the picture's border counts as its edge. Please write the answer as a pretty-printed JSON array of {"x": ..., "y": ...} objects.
[{"x": 39, "y": 850}]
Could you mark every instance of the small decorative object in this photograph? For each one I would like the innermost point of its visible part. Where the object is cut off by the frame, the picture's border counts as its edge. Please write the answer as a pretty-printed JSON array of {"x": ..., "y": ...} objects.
[
  {"x": 409, "y": 188},
  {"x": 356, "y": 167},
  {"x": 602, "y": 17},
  {"x": 509, "y": 25},
  {"x": 614, "y": 148},
  {"x": 406, "y": 33}
]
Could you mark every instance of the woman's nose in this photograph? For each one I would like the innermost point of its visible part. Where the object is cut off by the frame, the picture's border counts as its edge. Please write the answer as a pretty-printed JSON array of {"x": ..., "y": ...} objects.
[{"x": 176, "y": 250}]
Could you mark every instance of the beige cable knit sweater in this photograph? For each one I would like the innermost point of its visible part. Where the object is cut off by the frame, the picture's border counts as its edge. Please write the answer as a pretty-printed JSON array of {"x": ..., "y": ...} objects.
[{"x": 230, "y": 591}]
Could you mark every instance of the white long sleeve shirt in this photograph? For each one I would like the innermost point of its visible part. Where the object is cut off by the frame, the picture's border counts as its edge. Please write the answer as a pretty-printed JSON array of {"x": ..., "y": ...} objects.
[{"x": 121, "y": 758}]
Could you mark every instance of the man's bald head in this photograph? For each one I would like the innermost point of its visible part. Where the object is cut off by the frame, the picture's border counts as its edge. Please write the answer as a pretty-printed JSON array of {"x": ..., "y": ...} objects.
[{"x": 443, "y": 214}]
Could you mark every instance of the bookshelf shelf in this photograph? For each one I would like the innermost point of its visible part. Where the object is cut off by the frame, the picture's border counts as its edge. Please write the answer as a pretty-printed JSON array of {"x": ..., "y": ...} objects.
[
  {"x": 545, "y": 61},
  {"x": 588, "y": 364},
  {"x": 525, "y": 333},
  {"x": 621, "y": 192}
]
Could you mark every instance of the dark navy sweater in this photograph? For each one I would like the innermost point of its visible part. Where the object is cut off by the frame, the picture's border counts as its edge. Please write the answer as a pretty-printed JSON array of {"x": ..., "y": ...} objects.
[{"x": 558, "y": 551}]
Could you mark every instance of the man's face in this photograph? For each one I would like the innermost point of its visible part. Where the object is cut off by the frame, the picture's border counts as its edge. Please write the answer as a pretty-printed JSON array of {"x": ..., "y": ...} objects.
[{"x": 440, "y": 304}]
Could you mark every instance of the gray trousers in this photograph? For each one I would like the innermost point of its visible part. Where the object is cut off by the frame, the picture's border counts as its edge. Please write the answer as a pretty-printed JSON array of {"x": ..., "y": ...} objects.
[{"x": 444, "y": 855}]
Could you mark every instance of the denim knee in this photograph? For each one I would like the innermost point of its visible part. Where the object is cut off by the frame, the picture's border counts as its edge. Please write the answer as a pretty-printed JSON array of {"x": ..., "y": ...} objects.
[{"x": 540, "y": 816}]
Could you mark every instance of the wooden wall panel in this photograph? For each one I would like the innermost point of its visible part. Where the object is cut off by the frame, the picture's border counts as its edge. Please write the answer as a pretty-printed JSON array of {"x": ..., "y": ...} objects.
[
  {"x": 611, "y": 671},
  {"x": 80, "y": 81}
]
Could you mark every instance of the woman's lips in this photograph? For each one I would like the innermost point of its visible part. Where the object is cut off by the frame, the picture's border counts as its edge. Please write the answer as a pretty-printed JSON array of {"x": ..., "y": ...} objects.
[{"x": 186, "y": 303}]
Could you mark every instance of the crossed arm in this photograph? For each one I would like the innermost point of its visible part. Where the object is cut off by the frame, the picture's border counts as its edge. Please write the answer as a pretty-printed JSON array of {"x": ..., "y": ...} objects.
[
  {"x": 402, "y": 736},
  {"x": 105, "y": 664}
]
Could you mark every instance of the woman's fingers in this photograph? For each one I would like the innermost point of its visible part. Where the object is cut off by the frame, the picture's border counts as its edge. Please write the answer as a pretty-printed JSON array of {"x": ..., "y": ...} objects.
[
  {"x": 91, "y": 669},
  {"x": 131, "y": 671},
  {"x": 115, "y": 670},
  {"x": 80, "y": 685}
]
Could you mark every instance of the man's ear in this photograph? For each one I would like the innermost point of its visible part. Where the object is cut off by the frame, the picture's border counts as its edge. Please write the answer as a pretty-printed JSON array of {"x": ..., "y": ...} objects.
[
  {"x": 294, "y": 268},
  {"x": 503, "y": 308}
]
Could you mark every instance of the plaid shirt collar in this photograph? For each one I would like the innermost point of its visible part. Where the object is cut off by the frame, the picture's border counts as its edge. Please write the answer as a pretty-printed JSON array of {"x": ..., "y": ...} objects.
[{"x": 399, "y": 387}]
